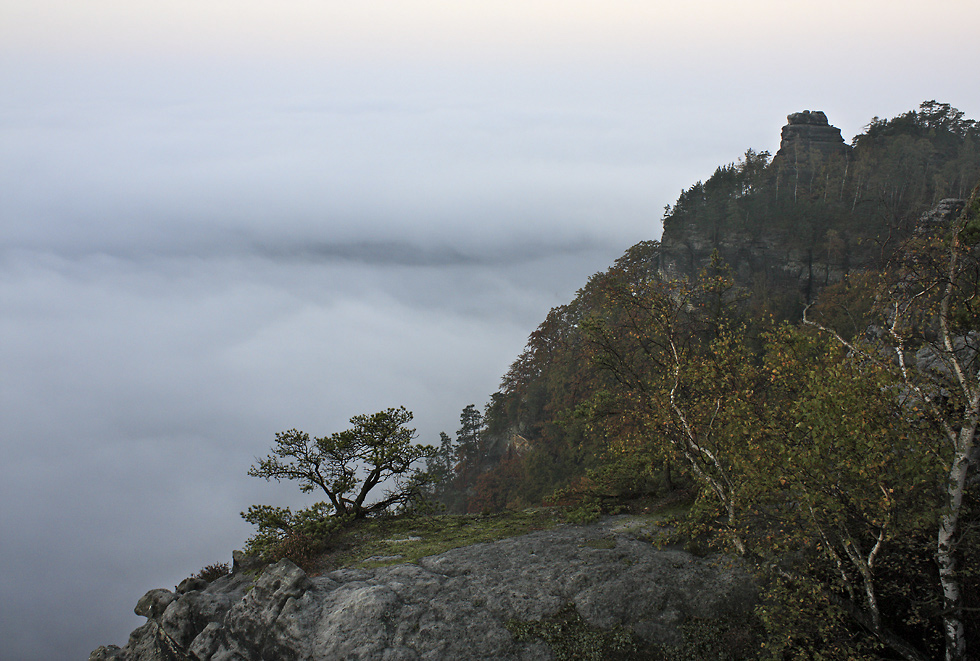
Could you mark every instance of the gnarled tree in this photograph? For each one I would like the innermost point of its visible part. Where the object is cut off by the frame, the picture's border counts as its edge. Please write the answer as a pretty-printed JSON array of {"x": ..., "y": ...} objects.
[{"x": 349, "y": 464}]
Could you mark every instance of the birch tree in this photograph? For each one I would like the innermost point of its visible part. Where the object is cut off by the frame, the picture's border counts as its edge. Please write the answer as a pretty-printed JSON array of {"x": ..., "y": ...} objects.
[
  {"x": 816, "y": 471},
  {"x": 676, "y": 354},
  {"x": 928, "y": 335}
]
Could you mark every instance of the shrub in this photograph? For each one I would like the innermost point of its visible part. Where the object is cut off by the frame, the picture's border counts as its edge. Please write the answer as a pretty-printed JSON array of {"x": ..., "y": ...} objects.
[
  {"x": 299, "y": 536},
  {"x": 213, "y": 572}
]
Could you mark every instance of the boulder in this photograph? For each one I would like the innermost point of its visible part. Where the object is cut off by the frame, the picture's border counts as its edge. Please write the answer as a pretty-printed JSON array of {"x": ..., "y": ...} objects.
[
  {"x": 240, "y": 562},
  {"x": 190, "y": 584},
  {"x": 154, "y": 603}
]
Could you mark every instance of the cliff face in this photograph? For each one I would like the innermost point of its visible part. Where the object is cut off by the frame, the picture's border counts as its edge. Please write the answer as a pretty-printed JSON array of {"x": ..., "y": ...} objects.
[
  {"x": 769, "y": 260},
  {"x": 789, "y": 256},
  {"x": 786, "y": 226},
  {"x": 791, "y": 226},
  {"x": 455, "y": 605},
  {"x": 820, "y": 208},
  {"x": 808, "y": 133}
]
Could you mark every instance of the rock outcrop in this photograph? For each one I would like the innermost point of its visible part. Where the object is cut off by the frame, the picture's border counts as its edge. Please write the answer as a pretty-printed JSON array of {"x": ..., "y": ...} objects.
[
  {"x": 769, "y": 255},
  {"x": 807, "y": 133},
  {"x": 813, "y": 219},
  {"x": 940, "y": 216},
  {"x": 449, "y": 606}
]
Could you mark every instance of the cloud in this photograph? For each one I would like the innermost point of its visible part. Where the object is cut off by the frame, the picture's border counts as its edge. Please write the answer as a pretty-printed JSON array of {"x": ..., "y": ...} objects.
[
  {"x": 319, "y": 167},
  {"x": 138, "y": 391}
]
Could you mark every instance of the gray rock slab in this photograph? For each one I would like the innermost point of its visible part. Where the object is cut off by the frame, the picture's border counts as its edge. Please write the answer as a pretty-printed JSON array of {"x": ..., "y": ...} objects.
[{"x": 449, "y": 606}]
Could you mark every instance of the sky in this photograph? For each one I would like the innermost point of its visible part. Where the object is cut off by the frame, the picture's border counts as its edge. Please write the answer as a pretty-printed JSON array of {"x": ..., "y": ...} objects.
[{"x": 222, "y": 220}]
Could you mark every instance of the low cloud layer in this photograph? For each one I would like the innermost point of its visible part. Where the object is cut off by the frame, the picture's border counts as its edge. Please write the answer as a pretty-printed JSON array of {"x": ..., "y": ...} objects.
[{"x": 137, "y": 393}]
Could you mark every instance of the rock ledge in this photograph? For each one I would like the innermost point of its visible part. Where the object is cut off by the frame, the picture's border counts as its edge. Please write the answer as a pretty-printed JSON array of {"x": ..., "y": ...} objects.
[{"x": 452, "y": 605}]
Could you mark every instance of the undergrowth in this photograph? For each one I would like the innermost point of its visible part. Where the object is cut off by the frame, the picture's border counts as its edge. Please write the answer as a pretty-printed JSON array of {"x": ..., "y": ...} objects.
[
  {"x": 570, "y": 637},
  {"x": 213, "y": 572}
]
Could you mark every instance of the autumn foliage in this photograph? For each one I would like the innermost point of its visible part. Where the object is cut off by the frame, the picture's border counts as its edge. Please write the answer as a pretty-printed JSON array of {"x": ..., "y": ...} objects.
[{"x": 837, "y": 455}]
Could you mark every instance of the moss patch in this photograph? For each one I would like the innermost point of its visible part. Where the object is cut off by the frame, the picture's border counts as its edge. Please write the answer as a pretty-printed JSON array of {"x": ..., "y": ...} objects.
[
  {"x": 571, "y": 637},
  {"x": 379, "y": 542},
  {"x": 601, "y": 543}
]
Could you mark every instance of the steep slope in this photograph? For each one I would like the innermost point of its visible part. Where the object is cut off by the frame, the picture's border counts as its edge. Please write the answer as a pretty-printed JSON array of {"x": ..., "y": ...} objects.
[{"x": 785, "y": 227}]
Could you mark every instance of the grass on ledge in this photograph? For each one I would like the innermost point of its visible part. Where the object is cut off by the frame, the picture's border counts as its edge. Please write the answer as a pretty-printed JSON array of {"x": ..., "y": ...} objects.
[{"x": 387, "y": 541}]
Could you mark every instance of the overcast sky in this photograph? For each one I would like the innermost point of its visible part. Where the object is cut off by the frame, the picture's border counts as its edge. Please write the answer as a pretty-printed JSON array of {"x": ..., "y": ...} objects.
[{"x": 224, "y": 219}]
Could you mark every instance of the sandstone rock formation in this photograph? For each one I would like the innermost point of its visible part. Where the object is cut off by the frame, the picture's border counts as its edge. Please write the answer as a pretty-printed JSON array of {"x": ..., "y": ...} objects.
[
  {"x": 941, "y": 215},
  {"x": 449, "y": 606},
  {"x": 763, "y": 255},
  {"x": 804, "y": 233},
  {"x": 806, "y": 133}
]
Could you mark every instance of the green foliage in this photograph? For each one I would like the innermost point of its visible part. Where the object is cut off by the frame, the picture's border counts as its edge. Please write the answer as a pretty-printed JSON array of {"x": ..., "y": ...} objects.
[
  {"x": 440, "y": 470},
  {"x": 804, "y": 459},
  {"x": 379, "y": 444},
  {"x": 570, "y": 637},
  {"x": 585, "y": 513},
  {"x": 299, "y": 536},
  {"x": 726, "y": 199},
  {"x": 722, "y": 640},
  {"x": 346, "y": 466},
  {"x": 622, "y": 478},
  {"x": 849, "y": 213},
  {"x": 813, "y": 456},
  {"x": 846, "y": 306},
  {"x": 801, "y": 623}
]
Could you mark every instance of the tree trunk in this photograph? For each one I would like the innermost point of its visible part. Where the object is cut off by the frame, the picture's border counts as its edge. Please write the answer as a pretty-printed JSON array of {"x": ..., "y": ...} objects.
[{"x": 945, "y": 543}]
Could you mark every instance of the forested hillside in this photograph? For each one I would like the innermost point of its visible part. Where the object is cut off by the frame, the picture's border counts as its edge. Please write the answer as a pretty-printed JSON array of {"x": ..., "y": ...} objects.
[{"x": 797, "y": 357}]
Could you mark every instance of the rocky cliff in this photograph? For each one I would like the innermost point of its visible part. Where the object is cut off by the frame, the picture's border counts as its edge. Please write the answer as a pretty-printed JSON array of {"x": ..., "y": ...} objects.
[
  {"x": 763, "y": 227},
  {"x": 461, "y": 604},
  {"x": 802, "y": 221},
  {"x": 809, "y": 133}
]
